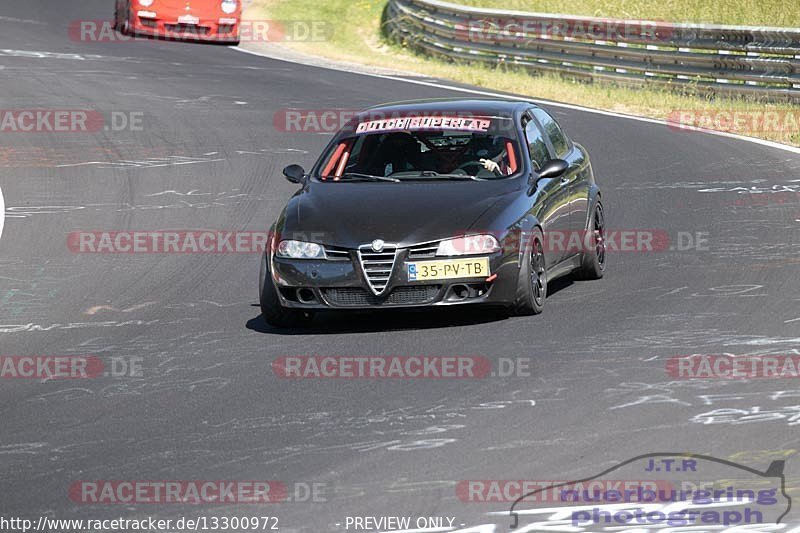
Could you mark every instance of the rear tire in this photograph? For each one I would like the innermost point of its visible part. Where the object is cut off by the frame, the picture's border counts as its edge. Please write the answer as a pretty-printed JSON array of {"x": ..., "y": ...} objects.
[
  {"x": 593, "y": 262},
  {"x": 532, "y": 283},
  {"x": 271, "y": 309}
]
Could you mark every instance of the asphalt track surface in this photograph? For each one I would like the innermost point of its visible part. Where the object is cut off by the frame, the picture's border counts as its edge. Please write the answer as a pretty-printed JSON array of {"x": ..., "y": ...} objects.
[{"x": 208, "y": 406}]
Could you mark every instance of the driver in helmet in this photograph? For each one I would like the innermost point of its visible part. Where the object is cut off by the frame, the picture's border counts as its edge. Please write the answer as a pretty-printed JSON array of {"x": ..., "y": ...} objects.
[{"x": 490, "y": 152}]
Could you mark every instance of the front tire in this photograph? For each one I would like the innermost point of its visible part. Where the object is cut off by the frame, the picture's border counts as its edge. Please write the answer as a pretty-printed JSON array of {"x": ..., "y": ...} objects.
[
  {"x": 271, "y": 309},
  {"x": 122, "y": 25},
  {"x": 532, "y": 283},
  {"x": 593, "y": 262}
]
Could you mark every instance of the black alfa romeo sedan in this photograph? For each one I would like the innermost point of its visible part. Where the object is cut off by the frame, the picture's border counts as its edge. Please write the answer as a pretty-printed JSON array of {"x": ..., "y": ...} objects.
[{"x": 435, "y": 203}]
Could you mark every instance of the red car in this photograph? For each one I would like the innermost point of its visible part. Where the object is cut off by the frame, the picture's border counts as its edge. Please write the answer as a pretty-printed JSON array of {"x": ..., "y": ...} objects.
[{"x": 203, "y": 20}]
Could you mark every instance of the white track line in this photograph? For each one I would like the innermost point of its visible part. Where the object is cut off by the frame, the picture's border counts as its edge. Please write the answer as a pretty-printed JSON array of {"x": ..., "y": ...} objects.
[
  {"x": 2, "y": 211},
  {"x": 771, "y": 144}
]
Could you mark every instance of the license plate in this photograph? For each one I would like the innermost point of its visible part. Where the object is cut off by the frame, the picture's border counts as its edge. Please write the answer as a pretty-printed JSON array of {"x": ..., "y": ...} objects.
[
  {"x": 188, "y": 19},
  {"x": 448, "y": 269}
]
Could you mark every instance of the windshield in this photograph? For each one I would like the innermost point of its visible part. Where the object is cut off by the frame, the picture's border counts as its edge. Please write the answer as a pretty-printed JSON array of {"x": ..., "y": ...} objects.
[{"x": 411, "y": 149}]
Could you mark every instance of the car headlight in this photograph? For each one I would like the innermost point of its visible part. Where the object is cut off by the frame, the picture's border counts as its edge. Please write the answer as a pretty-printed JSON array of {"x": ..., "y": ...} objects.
[
  {"x": 300, "y": 250},
  {"x": 468, "y": 245},
  {"x": 145, "y": 3},
  {"x": 228, "y": 6}
]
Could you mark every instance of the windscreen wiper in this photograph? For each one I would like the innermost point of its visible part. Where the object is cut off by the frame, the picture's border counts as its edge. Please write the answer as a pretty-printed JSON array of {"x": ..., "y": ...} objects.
[
  {"x": 370, "y": 177},
  {"x": 434, "y": 174}
]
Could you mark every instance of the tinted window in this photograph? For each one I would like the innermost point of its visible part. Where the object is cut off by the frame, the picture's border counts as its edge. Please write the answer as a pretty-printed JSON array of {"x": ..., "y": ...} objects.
[
  {"x": 415, "y": 152},
  {"x": 536, "y": 145},
  {"x": 553, "y": 131}
]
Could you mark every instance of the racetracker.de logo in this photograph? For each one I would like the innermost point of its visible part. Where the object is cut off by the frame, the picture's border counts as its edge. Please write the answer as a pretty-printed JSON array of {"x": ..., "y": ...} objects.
[
  {"x": 739, "y": 122},
  {"x": 621, "y": 240},
  {"x": 332, "y": 119},
  {"x": 593, "y": 491},
  {"x": 391, "y": 367},
  {"x": 519, "y": 31},
  {"x": 94, "y": 31},
  {"x": 51, "y": 366},
  {"x": 768, "y": 199},
  {"x": 613, "y": 240},
  {"x": 177, "y": 492},
  {"x": 168, "y": 242},
  {"x": 68, "y": 121},
  {"x": 728, "y": 366}
]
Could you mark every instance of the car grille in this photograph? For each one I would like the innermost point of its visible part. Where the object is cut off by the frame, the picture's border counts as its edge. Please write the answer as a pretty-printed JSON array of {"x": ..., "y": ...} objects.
[
  {"x": 356, "y": 296},
  {"x": 187, "y": 28},
  {"x": 423, "y": 251},
  {"x": 377, "y": 266},
  {"x": 337, "y": 254}
]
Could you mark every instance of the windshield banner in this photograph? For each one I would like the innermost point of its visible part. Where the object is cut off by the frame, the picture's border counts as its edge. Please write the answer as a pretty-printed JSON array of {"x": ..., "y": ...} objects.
[{"x": 425, "y": 123}]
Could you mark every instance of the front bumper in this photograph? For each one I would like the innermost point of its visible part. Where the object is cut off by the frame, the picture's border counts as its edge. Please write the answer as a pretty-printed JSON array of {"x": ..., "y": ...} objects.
[
  {"x": 342, "y": 284},
  {"x": 171, "y": 27}
]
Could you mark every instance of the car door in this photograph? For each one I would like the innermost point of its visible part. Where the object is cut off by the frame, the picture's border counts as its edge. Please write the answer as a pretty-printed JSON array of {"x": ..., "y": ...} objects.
[
  {"x": 553, "y": 195},
  {"x": 574, "y": 179}
]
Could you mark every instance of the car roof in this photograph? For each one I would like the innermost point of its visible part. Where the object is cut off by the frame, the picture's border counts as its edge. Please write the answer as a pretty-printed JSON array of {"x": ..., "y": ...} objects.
[{"x": 487, "y": 106}]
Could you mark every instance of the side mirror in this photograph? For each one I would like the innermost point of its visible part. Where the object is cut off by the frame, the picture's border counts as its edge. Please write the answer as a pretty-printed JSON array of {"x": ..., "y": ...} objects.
[
  {"x": 295, "y": 174},
  {"x": 552, "y": 169}
]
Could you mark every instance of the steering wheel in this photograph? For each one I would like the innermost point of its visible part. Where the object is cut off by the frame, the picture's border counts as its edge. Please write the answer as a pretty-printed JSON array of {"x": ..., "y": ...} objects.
[{"x": 476, "y": 165}]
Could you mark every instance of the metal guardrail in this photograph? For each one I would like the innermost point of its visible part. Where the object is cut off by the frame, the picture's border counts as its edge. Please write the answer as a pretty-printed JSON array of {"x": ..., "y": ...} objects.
[{"x": 740, "y": 60}]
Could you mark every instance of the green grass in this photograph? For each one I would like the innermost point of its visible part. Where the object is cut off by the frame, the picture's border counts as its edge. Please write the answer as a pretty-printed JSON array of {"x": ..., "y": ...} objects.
[
  {"x": 357, "y": 39},
  {"x": 740, "y": 12}
]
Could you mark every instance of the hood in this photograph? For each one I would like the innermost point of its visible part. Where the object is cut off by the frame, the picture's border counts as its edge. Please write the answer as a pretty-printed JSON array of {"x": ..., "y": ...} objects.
[
  {"x": 195, "y": 6},
  {"x": 174, "y": 4},
  {"x": 352, "y": 214},
  {"x": 180, "y": 3}
]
